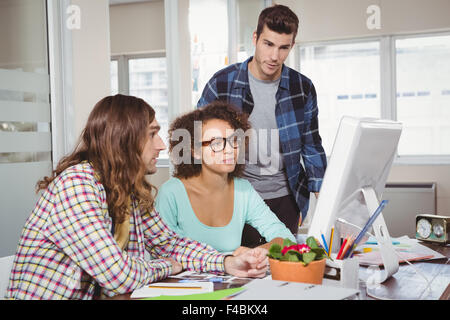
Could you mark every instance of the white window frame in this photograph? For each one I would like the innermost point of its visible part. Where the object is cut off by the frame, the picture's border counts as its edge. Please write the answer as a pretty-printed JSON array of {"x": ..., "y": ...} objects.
[
  {"x": 60, "y": 69},
  {"x": 388, "y": 90},
  {"x": 123, "y": 77}
]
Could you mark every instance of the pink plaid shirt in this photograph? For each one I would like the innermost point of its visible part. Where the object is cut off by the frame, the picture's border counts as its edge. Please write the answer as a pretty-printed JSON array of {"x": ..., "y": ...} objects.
[{"x": 66, "y": 245}]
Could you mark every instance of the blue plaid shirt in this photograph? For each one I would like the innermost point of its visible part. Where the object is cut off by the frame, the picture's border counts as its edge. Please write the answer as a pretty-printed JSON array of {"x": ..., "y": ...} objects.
[{"x": 296, "y": 115}]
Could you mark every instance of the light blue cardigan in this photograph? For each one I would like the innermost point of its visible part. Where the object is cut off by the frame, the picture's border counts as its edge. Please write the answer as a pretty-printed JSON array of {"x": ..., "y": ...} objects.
[{"x": 175, "y": 209}]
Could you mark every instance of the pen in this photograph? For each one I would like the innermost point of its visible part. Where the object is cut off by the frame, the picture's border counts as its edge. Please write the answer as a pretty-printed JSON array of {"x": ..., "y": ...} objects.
[
  {"x": 342, "y": 248},
  {"x": 369, "y": 223},
  {"x": 331, "y": 241},
  {"x": 349, "y": 248},
  {"x": 325, "y": 246}
]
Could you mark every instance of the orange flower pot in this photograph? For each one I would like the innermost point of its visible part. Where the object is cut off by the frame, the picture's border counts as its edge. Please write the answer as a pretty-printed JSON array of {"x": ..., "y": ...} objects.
[{"x": 297, "y": 272}]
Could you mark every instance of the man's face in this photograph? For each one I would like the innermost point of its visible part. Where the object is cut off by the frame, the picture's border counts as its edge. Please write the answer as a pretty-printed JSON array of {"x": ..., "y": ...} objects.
[
  {"x": 271, "y": 50},
  {"x": 152, "y": 147}
]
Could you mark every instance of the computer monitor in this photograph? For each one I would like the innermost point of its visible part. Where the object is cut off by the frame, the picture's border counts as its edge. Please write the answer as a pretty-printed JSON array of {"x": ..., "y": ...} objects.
[{"x": 363, "y": 152}]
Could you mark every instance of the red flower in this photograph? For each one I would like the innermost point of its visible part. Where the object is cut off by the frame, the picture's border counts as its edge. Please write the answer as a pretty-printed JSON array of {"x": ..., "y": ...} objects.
[
  {"x": 286, "y": 249},
  {"x": 301, "y": 248}
]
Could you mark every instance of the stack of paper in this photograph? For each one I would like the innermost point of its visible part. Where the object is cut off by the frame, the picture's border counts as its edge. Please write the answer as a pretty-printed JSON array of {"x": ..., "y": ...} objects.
[
  {"x": 262, "y": 289},
  {"x": 172, "y": 289},
  {"x": 406, "y": 249}
]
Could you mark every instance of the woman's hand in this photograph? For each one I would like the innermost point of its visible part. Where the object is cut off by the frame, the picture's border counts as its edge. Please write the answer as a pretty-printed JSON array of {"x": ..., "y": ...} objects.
[
  {"x": 251, "y": 263},
  {"x": 240, "y": 251}
]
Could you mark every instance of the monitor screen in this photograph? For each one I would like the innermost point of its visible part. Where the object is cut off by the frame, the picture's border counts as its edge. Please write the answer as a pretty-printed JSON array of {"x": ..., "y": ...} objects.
[{"x": 362, "y": 155}]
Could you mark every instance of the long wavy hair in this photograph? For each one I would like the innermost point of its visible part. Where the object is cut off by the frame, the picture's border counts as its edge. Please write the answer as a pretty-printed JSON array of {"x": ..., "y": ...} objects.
[{"x": 112, "y": 142}]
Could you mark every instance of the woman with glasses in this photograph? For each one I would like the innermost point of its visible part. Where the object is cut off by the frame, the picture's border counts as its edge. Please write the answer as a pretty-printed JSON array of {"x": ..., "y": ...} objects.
[{"x": 206, "y": 200}]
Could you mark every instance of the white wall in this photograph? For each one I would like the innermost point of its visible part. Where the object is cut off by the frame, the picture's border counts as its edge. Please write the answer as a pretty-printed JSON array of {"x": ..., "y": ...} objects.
[
  {"x": 91, "y": 59},
  {"x": 137, "y": 28},
  {"x": 19, "y": 38},
  {"x": 329, "y": 19},
  {"x": 438, "y": 174}
]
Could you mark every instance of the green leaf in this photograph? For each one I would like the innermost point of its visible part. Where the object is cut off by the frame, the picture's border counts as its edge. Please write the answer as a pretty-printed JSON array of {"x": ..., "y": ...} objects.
[
  {"x": 318, "y": 251},
  {"x": 288, "y": 242},
  {"x": 308, "y": 257},
  {"x": 284, "y": 257},
  {"x": 311, "y": 242},
  {"x": 293, "y": 256},
  {"x": 321, "y": 254},
  {"x": 275, "y": 251}
]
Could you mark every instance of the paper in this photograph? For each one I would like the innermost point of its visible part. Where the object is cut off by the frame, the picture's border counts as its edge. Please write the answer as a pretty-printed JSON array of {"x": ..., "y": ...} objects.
[
  {"x": 172, "y": 289},
  {"x": 215, "y": 295},
  {"x": 406, "y": 249},
  {"x": 201, "y": 276},
  {"x": 261, "y": 289}
]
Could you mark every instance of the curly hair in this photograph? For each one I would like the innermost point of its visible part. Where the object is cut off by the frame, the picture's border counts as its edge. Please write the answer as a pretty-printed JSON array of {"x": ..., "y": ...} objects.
[
  {"x": 112, "y": 142},
  {"x": 219, "y": 110}
]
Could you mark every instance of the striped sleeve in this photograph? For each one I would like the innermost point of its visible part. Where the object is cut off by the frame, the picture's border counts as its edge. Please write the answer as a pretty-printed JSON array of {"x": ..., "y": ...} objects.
[
  {"x": 312, "y": 150},
  {"x": 78, "y": 227},
  {"x": 193, "y": 255},
  {"x": 209, "y": 93}
]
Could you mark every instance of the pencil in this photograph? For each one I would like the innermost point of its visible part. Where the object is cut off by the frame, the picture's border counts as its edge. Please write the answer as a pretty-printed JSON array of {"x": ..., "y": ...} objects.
[
  {"x": 331, "y": 241},
  {"x": 325, "y": 246},
  {"x": 342, "y": 248},
  {"x": 347, "y": 247}
]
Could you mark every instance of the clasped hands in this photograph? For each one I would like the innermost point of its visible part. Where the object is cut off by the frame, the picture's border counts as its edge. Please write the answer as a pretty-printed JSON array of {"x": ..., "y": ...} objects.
[{"x": 249, "y": 263}]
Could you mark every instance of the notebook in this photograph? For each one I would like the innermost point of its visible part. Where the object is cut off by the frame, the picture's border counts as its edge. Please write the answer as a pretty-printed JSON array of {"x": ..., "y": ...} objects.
[
  {"x": 172, "y": 289},
  {"x": 262, "y": 289}
]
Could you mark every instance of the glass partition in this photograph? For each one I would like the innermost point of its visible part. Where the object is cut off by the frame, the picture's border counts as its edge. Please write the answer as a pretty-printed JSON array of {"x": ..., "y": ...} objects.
[{"x": 25, "y": 114}]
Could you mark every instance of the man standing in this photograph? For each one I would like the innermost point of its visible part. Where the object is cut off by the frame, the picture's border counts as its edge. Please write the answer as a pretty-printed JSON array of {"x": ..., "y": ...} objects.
[{"x": 282, "y": 105}]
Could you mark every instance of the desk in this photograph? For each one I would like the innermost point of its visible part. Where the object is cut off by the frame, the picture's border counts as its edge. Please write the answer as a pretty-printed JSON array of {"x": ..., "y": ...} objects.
[
  {"x": 406, "y": 284},
  {"x": 217, "y": 286}
]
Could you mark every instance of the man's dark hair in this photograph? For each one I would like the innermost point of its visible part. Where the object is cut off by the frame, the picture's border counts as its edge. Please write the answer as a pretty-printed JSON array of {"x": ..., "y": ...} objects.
[{"x": 278, "y": 18}]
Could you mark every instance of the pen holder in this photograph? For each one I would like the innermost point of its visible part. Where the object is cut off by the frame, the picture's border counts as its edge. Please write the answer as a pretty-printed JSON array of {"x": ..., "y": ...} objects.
[{"x": 345, "y": 271}]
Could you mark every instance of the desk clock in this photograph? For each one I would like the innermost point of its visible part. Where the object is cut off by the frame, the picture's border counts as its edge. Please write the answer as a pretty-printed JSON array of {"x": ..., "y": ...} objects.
[{"x": 433, "y": 228}]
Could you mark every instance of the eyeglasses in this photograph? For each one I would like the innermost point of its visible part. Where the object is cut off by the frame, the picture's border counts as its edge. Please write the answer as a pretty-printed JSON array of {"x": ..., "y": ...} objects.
[{"x": 218, "y": 144}]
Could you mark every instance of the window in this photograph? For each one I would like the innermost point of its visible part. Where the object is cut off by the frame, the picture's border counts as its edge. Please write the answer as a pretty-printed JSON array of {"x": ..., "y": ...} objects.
[
  {"x": 423, "y": 94},
  {"x": 248, "y": 13},
  {"x": 227, "y": 40},
  {"x": 144, "y": 77},
  {"x": 209, "y": 46},
  {"x": 25, "y": 114},
  {"x": 148, "y": 80},
  {"x": 349, "y": 78},
  {"x": 114, "y": 77},
  {"x": 347, "y": 82}
]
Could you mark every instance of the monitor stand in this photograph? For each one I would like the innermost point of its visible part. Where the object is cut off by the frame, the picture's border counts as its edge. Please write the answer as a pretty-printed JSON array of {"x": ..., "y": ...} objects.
[{"x": 386, "y": 248}]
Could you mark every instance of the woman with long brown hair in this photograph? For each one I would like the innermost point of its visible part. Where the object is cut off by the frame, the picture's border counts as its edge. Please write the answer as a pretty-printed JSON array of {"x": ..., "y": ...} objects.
[{"x": 95, "y": 219}]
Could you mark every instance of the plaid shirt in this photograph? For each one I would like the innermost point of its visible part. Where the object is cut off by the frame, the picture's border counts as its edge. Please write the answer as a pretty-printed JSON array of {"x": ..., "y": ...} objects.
[
  {"x": 296, "y": 115},
  {"x": 67, "y": 246}
]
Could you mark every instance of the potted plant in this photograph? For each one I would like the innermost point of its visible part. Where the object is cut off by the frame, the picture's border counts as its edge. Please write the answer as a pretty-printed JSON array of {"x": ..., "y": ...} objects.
[{"x": 297, "y": 262}]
